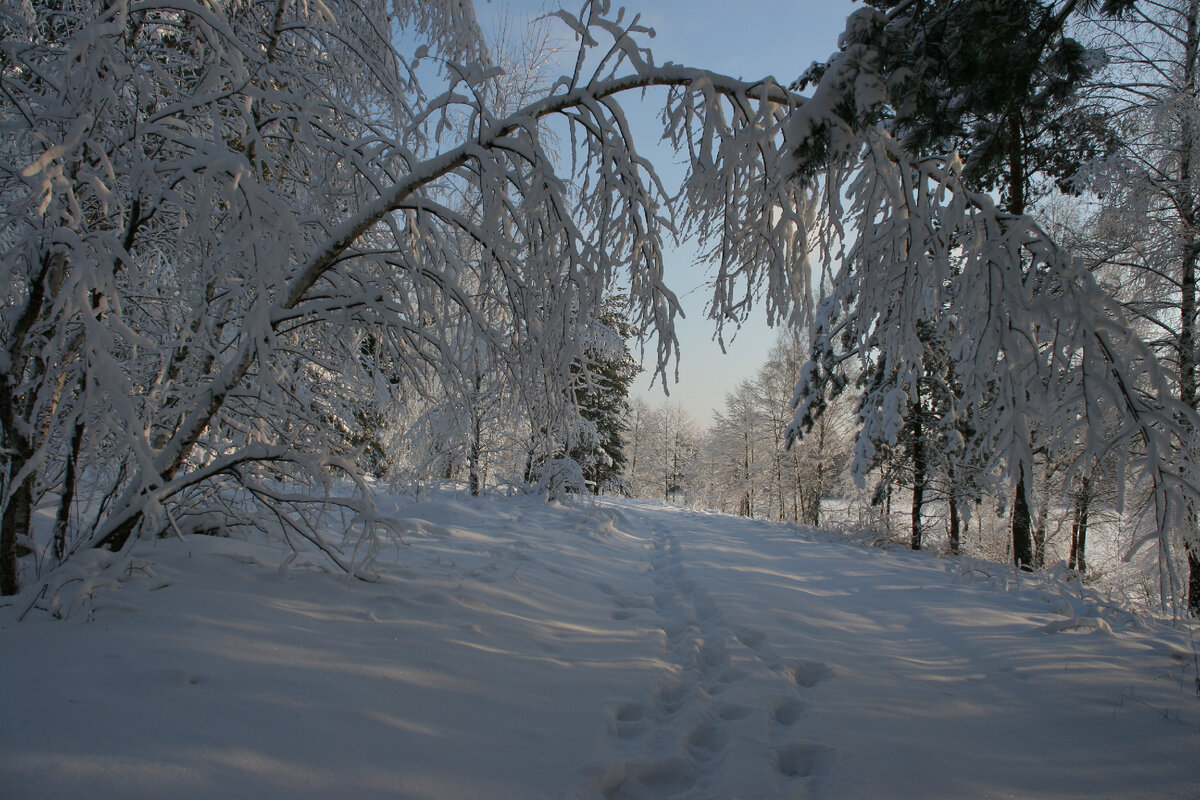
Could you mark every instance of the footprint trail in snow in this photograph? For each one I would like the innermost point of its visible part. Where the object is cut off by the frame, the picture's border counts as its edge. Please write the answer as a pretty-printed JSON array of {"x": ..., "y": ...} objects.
[{"x": 722, "y": 719}]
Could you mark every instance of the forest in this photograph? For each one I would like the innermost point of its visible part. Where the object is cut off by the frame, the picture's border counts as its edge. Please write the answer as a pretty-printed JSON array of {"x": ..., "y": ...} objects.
[{"x": 263, "y": 260}]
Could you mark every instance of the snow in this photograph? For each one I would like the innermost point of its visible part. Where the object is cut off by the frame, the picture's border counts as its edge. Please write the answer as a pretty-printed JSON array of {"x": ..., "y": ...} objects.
[{"x": 615, "y": 649}]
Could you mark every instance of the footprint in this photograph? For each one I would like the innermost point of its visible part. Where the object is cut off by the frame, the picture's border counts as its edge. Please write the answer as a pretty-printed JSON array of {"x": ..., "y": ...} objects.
[
  {"x": 709, "y": 612},
  {"x": 733, "y": 711},
  {"x": 713, "y": 655},
  {"x": 803, "y": 760},
  {"x": 675, "y": 632},
  {"x": 731, "y": 675},
  {"x": 630, "y": 721},
  {"x": 630, "y": 712},
  {"x": 788, "y": 711},
  {"x": 810, "y": 673},
  {"x": 705, "y": 741},
  {"x": 751, "y": 638},
  {"x": 671, "y": 697},
  {"x": 672, "y": 776},
  {"x": 665, "y": 599}
]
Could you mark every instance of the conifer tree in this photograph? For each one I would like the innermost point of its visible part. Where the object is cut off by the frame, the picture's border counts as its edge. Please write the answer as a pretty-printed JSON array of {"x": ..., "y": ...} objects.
[
  {"x": 602, "y": 395},
  {"x": 996, "y": 81},
  {"x": 1006, "y": 100}
]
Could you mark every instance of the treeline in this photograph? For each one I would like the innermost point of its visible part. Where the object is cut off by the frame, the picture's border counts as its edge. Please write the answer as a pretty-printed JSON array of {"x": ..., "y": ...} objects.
[
  {"x": 739, "y": 462},
  {"x": 743, "y": 461},
  {"x": 1078, "y": 127}
]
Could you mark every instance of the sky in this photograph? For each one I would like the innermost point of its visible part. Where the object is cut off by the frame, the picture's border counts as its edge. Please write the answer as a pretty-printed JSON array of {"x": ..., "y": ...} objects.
[{"x": 747, "y": 39}]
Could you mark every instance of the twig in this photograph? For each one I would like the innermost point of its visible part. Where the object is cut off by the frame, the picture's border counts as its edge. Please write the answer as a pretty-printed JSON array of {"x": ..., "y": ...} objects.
[{"x": 36, "y": 597}]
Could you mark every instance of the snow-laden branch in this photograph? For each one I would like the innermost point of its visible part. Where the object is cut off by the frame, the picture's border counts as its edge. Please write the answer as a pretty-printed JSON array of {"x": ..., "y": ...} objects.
[
  {"x": 1031, "y": 339},
  {"x": 267, "y": 200}
]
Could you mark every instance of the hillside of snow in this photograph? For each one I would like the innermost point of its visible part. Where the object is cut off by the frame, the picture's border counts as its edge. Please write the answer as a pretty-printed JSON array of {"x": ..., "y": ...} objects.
[{"x": 614, "y": 649}]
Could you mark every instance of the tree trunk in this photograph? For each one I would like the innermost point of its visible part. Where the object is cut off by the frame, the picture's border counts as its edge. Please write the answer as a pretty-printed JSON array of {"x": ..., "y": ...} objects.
[
  {"x": 67, "y": 495},
  {"x": 814, "y": 502},
  {"x": 1190, "y": 250},
  {"x": 887, "y": 511},
  {"x": 1022, "y": 529},
  {"x": 475, "y": 451},
  {"x": 1079, "y": 524},
  {"x": 1042, "y": 519},
  {"x": 1022, "y": 522},
  {"x": 473, "y": 473},
  {"x": 15, "y": 523},
  {"x": 18, "y": 505},
  {"x": 919, "y": 478},
  {"x": 955, "y": 528},
  {"x": 1193, "y": 556},
  {"x": 814, "y": 510}
]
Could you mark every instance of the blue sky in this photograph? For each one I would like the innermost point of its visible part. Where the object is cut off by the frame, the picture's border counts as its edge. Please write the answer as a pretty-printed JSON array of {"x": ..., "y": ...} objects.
[{"x": 745, "y": 38}]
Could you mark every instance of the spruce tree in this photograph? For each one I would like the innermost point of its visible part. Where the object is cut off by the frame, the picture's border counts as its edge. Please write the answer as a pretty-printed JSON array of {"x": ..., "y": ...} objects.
[{"x": 602, "y": 396}]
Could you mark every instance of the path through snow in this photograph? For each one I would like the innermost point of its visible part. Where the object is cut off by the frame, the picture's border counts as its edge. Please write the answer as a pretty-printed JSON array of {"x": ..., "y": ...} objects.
[
  {"x": 705, "y": 713},
  {"x": 610, "y": 650}
]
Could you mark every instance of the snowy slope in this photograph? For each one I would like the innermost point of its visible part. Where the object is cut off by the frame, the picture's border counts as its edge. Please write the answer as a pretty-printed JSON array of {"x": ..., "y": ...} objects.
[{"x": 615, "y": 650}]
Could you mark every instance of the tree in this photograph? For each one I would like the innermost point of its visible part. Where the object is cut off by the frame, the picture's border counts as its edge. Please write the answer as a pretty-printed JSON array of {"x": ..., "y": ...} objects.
[
  {"x": 1146, "y": 237},
  {"x": 921, "y": 449},
  {"x": 672, "y": 451},
  {"x": 638, "y": 418},
  {"x": 751, "y": 469},
  {"x": 997, "y": 82},
  {"x": 738, "y": 435},
  {"x": 601, "y": 394},
  {"x": 205, "y": 205},
  {"x": 1034, "y": 339}
]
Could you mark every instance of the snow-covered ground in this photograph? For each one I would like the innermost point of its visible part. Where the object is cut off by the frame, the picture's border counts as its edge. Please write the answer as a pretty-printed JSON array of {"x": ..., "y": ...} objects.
[{"x": 611, "y": 650}]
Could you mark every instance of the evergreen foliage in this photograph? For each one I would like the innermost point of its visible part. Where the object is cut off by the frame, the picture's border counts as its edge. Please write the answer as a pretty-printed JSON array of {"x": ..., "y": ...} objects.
[
  {"x": 997, "y": 83},
  {"x": 601, "y": 389}
]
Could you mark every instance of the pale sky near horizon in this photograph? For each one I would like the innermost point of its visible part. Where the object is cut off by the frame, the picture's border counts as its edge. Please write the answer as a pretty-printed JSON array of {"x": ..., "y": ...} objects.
[{"x": 747, "y": 38}]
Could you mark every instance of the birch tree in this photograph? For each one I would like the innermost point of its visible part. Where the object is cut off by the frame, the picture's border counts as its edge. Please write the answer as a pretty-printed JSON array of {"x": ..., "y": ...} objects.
[
  {"x": 203, "y": 205},
  {"x": 1147, "y": 237}
]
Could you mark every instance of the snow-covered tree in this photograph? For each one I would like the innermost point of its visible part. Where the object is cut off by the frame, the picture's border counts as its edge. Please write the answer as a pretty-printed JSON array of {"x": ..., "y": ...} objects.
[
  {"x": 1035, "y": 340},
  {"x": 737, "y": 438},
  {"x": 601, "y": 389},
  {"x": 202, "y": 209},
  {"x": 997, "y": 82},
  {"x": 673, "y": 445},
  {"x": 204, "y": 205},
  {"x": 1146, "y": 236},
  {"x": 749, "y": 467},
  {"x": 638, "y": 416}
]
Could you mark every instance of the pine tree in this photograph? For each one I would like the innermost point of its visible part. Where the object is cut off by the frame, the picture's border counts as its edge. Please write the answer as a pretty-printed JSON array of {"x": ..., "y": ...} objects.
[
  {"x": 602, "y": 396},
  {"x": 996, "y": 81},
  {"x": 1006, "y": 100}
]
